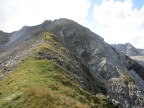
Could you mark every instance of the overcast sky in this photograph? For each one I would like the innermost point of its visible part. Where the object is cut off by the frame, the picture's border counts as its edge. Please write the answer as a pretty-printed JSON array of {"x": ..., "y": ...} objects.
[{"x": 117, "y": 21}]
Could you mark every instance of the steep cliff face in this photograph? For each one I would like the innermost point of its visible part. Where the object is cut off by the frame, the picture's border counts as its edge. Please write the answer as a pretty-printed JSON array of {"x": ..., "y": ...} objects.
[
  {"x": 92, "y": 63},
  {"x": 118, "y": 72}
]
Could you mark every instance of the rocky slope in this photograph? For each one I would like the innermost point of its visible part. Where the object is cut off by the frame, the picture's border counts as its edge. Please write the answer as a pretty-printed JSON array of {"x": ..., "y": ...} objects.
[
  {"x": 131, "y": 51},
  {"x": 44, "y": 79},
  {"x": 90, "y": 62}
]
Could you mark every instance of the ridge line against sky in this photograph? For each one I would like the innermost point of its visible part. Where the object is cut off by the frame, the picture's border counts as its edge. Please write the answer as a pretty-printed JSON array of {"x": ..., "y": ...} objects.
[{"x": 117, "y": 21}]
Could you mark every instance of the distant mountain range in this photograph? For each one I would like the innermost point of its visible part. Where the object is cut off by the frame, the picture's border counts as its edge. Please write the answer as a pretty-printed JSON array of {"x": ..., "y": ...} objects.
[{"x": 130, "y": 50}]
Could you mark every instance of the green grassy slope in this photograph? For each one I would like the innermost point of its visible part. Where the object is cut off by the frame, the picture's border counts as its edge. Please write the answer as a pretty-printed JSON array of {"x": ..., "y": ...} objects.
[{"x": 40, "y": 83}]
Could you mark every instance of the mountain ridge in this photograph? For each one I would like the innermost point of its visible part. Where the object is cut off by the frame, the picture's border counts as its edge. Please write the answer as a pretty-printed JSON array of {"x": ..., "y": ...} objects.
[{"x": 101, "y": 68}]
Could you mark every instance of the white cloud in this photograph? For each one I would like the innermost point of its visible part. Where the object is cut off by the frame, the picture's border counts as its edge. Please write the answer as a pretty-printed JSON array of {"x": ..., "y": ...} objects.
[
  {"x": 3, "y": 11},
  {"x": 117, "y": 22},
  {"x": 31, "y": 12},
  {"x": 120, "y": 22}
]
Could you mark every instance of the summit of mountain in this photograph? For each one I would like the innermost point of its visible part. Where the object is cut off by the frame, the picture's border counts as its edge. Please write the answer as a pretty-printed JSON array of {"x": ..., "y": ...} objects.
[{"x": 62, "y": 53}]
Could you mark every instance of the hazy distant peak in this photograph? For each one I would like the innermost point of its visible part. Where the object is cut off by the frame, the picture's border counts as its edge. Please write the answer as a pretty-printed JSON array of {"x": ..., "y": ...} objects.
[
  {"x": 47, "y": 22},
  {"x": 1, "y": 31},
  {"x": 129, "y": 45},
  {"x": 24, "y": 28},
  {"x": 128, "y": 49}
]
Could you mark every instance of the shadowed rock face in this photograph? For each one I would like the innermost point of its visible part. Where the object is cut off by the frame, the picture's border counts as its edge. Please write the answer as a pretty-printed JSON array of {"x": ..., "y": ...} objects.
[
  {"x": 3, "y": 38},
  {"x": 115, "y": 69},
  {"x": 120, "y": 77}
]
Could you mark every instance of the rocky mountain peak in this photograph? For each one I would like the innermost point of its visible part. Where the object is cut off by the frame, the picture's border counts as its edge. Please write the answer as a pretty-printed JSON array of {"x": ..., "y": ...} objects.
[
  {"x": 46, "y": 23},
  {"x": 130, "y": 50},
  {"x": 126, "y": 48},
  {"x": 92, "y": 63},
  {"x": 129, "y": 44},
  {"x": 1, "y": 31}
]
